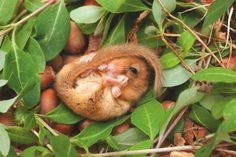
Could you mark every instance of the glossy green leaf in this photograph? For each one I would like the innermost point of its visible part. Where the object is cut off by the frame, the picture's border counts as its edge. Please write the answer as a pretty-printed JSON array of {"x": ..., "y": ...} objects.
[
  {"x": 32, "y": 151},
  {"x": 32, "y": 5},
  {"x": 36, "y": 53},
  {"x": 87, "y": 14},
  {"x": 23, "y": 33},
  {"x": 96, "y": 131},
  {"x": 180, "y": 74},
  {"x": 118, "y": 34},
  {"x": 140, "y": 146},
  {"x": 62, "y": 147},
  {"x": 2, "y": 59},
  {"x": 6, "y": 104},
  {"x": 186, "y": 97},
  {"x": 202, "y": 116},
  {"x": 149, "y": 117},
  {"x": 186, "y": 41},
  {"x": 219, "y": 105},
  {"x": 129, "y": 138},
  {"x": 210, "y": 100},
  {"x": 224, "y": 88},
  {"x": 7, "y": 10},
  {"x": 157, "y": 11},
  {"x": 61, "y": 114},
  {"x": 229, "y": 111},
  {"x": 21, "y": 135},
  {"x": 216, "y": 74},
  {"x": 169, "y": 60},
  {"x": 122, "y": 5},
  {"x": 5, "y": 141},
  {"x": 3, "y": 83},
  {"x": 53, "y": 27},
  {"x": 216, "y": 10}
]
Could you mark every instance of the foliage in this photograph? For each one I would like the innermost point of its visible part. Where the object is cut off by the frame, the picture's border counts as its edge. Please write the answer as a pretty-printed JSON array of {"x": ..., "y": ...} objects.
[{"x": 196, "y": 44}]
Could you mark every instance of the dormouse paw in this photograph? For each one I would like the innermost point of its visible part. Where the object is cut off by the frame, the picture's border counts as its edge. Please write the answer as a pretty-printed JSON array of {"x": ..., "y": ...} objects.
[
  {"x": 87, "y": 58},
  {"x": 115, "y": 91},
  {"x": 102, "y": 67}
]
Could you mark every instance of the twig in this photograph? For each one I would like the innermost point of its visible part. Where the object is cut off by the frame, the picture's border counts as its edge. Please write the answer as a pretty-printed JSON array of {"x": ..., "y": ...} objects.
[
  {"x": 45, "y": 125},
  {"x": 228, "y": 26},
  {"x": 146, "y": 151},
  {"x": 185, "y": 65},
  {"x": 191, "y": 31},
  {"x": 3, "y": 32},
  {"x": 226, "y": 151},
  {"x": 171, "y": 127},
  {"x": 37, "y": 135},
  {"x": 132, "y": 36}
]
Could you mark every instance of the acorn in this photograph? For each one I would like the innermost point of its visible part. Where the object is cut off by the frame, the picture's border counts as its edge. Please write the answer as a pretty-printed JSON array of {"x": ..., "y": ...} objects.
[
  {"x": 84, "y": 124},
  {"x": 168, "y": 104},
  {"x": 121, "y": 128},
  {"x": 90, "y": 2},
  {"x": 69, "y": 58},
  {"x": 7, "y": 119},
  {"x": 47, "y": 77},
  {"x": 63, "y": 128},
  {"x": 56, "y": 63},
  {"x": 75, "y": 42},
  {"x": 48, "y": 101}
]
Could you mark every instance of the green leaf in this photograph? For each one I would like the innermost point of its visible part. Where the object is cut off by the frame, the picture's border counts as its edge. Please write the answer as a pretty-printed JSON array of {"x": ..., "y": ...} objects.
[
  {"x": 96, "y": 131},
  {"x": 6, "y": 104},
  {"x": 215, "y": 11},
  {"x": 118, "y": 34},
  {"x": 32, "y": 5},
  {"x": 32, "y": 151},
  {"x": 7, "y": 10},
  {"x": 224, "y": 88},
  {"x": 3, "y": 83},
  {"x": 169, "y": 60},
  {"x": 141, "y": 145},
  {"x": 129, "y": 138},
  {"x": 61, "y": 114},
  {"x": 53, "y": 27},
  {"x": 158, "y": 13},
  {"x": 149, "y": 117},
  {"x": 87, "y": 14},
  {"x": 216, "y": 74},
  {"x": 210, "y": 100},
  {"x": 21, "y": 135},
  {"x": 180, "y": 74},
  {"x": 219, "y": 105},
  {"x": 186, "y": 41},
  {"x": 23, "y": 33},
  {"x": 202, "y": 116},
  {"x": 106, "y": 27},
  {"x": 187, "y": 97},
  {"x": 62, "y": 147},
  {"x": 2, "y": 59},
  {"x": 5, "y": 142},
  {"x": 36, "y": 53},
  {"x": 229, "y": 111},
  {"x": 122, "y": 6}
]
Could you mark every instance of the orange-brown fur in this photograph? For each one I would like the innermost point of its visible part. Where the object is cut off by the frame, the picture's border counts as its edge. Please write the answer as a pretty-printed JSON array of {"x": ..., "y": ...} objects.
[{"x": 102, "y": 106}]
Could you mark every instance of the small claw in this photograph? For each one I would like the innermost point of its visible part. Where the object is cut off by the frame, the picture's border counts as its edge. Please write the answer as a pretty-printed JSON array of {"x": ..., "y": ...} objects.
[
  {"x": 116, "y": 92},
  {"x": 102, "y": 67},
  {"x": 87, "y": 58}
]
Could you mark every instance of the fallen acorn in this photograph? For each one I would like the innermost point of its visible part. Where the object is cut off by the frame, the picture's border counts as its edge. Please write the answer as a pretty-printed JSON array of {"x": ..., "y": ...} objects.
[
  {"x": 47, "y": 77},
  {"x": 48, "y": 100},
  {"x": 168, "y": 104},
  {"x": 84, "y": 124},
  {"x": 7, "y": 119},
  {"x": 56, "y": 63},
  {"x": 63, "y": 128},
  {"x": 75, "y": 42},
  {"x": 121, "y": 128}
]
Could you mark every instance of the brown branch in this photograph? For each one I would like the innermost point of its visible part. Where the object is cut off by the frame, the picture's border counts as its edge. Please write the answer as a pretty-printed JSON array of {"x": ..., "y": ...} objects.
[{"x": 3, "y": 32}]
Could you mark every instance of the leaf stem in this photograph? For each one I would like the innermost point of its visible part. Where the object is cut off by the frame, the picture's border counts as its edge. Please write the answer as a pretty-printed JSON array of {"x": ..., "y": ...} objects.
[
  {"x": 3, "y": 32},
  {"x": 146, "y": 151},
  {"x": 185, "y": 65},
  {"x": 45, "y": 125},
  {"x": 191, "y": 31}
]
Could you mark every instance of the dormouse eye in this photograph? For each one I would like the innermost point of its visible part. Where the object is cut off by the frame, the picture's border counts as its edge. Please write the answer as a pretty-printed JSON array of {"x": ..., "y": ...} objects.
[{"x": 133, "y": 70}]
